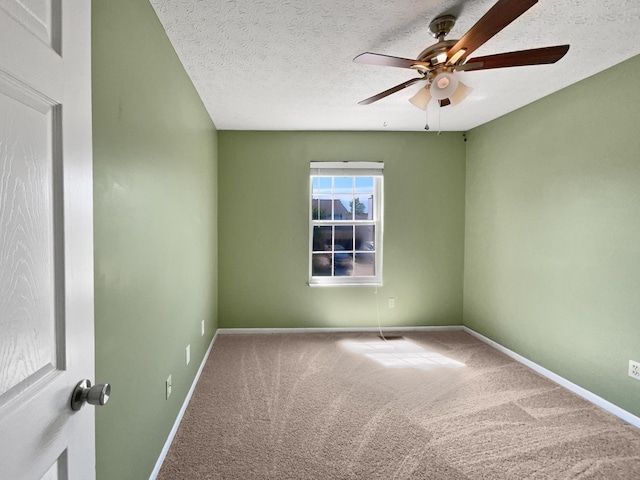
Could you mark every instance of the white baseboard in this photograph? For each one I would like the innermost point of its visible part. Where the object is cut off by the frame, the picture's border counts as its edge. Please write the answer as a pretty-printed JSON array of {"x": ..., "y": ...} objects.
[
  {"x": 584, "y": 393},
  {"x": 234, "y": 331},
  {"x": 176, "y": 424}
]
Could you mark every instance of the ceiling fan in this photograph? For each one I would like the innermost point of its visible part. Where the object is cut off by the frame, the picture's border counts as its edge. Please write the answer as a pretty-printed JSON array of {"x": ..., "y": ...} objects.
[{"x": 438, "y": 62}]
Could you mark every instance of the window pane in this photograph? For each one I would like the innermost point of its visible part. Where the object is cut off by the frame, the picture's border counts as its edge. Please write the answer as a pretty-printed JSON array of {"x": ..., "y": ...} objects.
[
  {"x": 343, "y": 185},
  {"x": 321, "y": 208},
  {"x": 344, "y": 238},
  {"x": 365, "y": 265},
  {"x": 365, "y": 237},
  {"x": 363, "y": 207},
  {"x": 321, "y": 265},
  {"x": 342, "y": 207},
  {"x": 343, "y": 264},
  {"x": 322, "y": 239},
  {"x": 364, "y": 185},
  {"x": 321, "y": 185}
]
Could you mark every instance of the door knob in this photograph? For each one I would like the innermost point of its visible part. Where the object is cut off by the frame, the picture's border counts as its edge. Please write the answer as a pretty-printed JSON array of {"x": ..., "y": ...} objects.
[{"x": 95, "y": 395}]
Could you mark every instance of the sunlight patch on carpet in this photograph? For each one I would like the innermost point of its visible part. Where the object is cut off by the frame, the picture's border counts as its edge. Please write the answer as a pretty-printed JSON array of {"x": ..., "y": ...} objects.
[{"x": 400, "y": 354}]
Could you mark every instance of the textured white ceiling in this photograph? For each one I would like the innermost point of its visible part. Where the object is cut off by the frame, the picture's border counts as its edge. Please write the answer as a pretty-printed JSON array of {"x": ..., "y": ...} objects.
[{"x": 287, "y": 64}]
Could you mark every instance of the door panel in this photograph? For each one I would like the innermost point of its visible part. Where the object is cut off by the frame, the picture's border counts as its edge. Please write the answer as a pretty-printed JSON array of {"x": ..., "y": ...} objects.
[
  {"x": 40, "y": 17},
  {"x": 57, "y": 471},
  {"x": 28, "y": 287},
  {"x": 46, "y": 242}
]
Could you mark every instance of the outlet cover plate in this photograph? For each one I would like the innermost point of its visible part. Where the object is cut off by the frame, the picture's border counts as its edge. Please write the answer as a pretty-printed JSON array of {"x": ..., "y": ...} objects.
[
  {"x": 188, "y": 354},
  {"x": 168, "y": 385},
  {"x": 634, "y": 369},
  {"x": 202, "y": 328}
]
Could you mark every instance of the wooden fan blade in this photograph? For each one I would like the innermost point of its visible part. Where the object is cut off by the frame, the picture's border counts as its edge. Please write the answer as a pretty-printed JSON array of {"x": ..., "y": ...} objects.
[
  {"x": 535, "y": 56},
  {"x": 499, "y": 16},
  {"x": 395, "y": 89},
  {"x": 387, "y": 60}
]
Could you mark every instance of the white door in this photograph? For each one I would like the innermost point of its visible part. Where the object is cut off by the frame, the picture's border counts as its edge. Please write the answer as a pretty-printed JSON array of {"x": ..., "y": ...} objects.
[{"x": 46, "y": 243}]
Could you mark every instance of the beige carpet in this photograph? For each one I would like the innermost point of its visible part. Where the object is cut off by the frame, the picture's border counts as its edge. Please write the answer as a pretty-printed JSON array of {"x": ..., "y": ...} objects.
[{"x": 306, "y": 406}]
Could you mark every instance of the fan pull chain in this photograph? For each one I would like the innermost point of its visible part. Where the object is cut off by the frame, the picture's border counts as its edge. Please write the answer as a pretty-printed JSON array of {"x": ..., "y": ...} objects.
[{"x": 426, "y": 111}]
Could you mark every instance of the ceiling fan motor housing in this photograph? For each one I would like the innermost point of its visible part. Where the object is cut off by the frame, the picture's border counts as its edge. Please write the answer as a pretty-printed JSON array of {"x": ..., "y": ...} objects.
[
  {"x": 436, "y": 49},
  {"x": 441, "y": 26}
]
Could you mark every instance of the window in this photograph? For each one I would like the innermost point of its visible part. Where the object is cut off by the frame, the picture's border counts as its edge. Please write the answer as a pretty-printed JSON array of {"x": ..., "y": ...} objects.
[{"x": 345, "y": 227}]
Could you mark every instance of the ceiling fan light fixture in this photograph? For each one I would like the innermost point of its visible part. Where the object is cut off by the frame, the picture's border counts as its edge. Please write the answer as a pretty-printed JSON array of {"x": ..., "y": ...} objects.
[
  {"x": 421, "y": 99},
  {"x": 443, "y": 85},
  {"x": 443, "y": 82}
]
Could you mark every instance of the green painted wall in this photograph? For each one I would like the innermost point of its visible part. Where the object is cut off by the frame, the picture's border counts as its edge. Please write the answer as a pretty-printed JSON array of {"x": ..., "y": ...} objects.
[
  {"x": 552, "y": 256},
  {"x": 264, "y": 229},
  {"x": 155, "y": 182}
]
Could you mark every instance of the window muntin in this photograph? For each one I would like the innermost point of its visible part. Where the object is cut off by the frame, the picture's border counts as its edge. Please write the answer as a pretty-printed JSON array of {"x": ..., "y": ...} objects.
[{"x": 346, "y": 224}]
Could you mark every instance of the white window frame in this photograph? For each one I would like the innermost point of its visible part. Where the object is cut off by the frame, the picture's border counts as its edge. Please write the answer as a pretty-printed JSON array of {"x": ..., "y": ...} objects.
[{"x": 350, "y": 169}]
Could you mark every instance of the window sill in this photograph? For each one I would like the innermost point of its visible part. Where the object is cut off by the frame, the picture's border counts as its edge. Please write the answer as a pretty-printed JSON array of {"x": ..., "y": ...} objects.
[{"x": 345, "y": 284}]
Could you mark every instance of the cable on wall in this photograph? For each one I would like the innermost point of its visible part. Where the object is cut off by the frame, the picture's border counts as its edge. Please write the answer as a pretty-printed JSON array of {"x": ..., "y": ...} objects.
[{"x": 378, "y": 315}]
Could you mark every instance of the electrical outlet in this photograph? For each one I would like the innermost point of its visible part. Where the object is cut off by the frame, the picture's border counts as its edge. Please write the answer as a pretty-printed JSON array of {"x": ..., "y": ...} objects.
[
  {"x": 168, "y": 385},
  {"x": 202, "y": 328},
  {"x": 188, "y": 352},
  {"x": 392, "y": 303},
  {"x": 634, "y": 369}
]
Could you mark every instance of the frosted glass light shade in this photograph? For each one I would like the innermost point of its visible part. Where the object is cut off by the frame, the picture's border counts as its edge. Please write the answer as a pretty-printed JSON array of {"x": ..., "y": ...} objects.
[
  {"x": 460, "y": 94},
  {"x": 443, "y": 86},
  {"x": 421, "y": 99}
]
